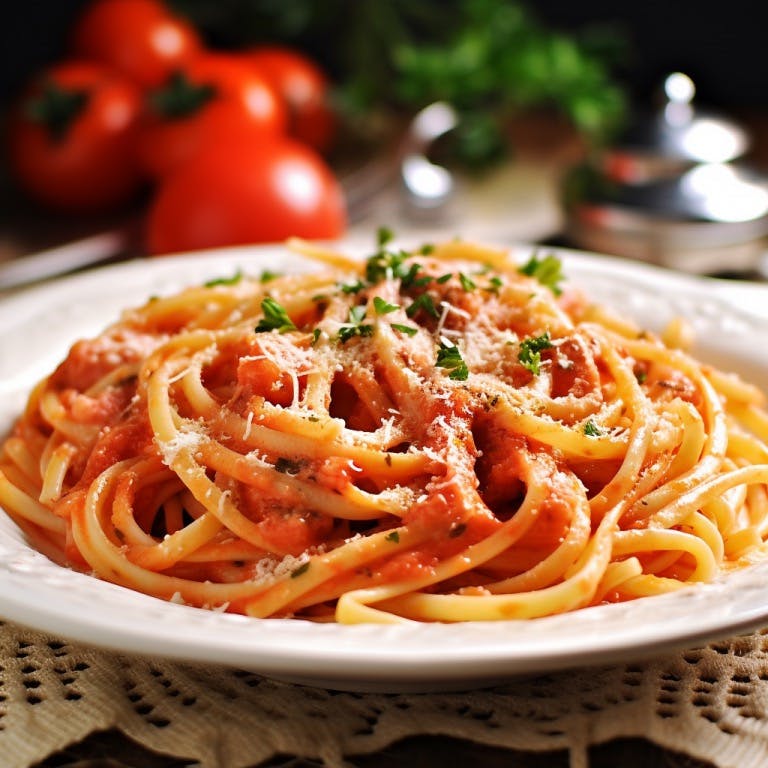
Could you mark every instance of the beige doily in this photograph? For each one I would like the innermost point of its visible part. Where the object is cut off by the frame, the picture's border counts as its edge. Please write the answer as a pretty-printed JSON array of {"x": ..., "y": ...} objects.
[{"x": 710, "y": 702}]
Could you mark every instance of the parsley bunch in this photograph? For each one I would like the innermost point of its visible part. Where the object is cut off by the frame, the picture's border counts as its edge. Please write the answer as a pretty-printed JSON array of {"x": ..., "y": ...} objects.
[{"x": 491, "y": 59}]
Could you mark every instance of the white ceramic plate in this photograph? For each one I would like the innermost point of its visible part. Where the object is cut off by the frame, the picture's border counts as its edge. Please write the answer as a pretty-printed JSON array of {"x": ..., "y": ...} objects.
[{"x": 38, "y": 326}]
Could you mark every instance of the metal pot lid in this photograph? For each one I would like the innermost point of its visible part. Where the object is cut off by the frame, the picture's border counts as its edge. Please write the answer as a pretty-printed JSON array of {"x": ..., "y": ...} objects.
[
  {"x": 709, "y": 202},
  {"x": 678, "y": 134},
  {"x": 709, "y": 192}
]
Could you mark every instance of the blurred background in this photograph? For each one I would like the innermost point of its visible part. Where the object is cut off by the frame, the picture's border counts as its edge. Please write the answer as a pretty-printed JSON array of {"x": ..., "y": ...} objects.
[
  {"x": 536, "y": 91},
  {"x": 720, "y": 45}
]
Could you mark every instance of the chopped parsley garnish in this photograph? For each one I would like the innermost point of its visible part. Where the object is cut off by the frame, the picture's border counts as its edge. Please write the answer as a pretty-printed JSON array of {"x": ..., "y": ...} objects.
[
  {"x": 384, "y": 235},
  {"x": 383, "y": 307},
  {"x": 356, "y": 317},
  {"x": 275, "y": 317},
  {"x": 303, "y": 568},
  {"x": 408, "y": 278},
  {"x": 315, "y": 336},
  {"x": 287, "y": 466},
  {"x": 530, "y": 352},
  {"x": 548, "y": 271},
  {"x": 384, "y": 265},
  {"x": 494, "y": 284},
  {"x": 393, "y": 536},
  {"x": 467, "y": 283},
  {"x": 355, "y": 287},
  {"x": 445, "y": 278},
  {"x": 426, "y": 249},
  {"x": 346, "y": 332},
  {"x": 425, "y": 302},
  {"x": 591, "y": 429},
  {"x": 408, "y": 330},
  {"x": 267, "y": 276},
  {"x": 233, "y": 280},
  {"x": 388, "y": 264},
  {"x": 449, "y": 357}
]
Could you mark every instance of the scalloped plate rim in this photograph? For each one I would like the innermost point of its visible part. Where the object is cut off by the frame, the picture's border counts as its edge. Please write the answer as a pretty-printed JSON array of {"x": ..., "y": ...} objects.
[{"x": 423, "y": 657}]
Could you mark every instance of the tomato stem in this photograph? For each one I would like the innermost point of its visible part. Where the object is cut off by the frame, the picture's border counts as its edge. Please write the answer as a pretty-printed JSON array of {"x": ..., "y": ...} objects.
[
  {"x": 56, "y": 108},
  {"x": 180, "y": 97}
]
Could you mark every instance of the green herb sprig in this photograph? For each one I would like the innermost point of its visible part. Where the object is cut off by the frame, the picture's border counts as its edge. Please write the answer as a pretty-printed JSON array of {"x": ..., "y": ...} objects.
[
  {"x": 423, "y": 302},
  {"x": 275, "y": 317},
  {"x": 232, "y": 280},
  {"x": 356, "y": 327},
  {"x": 449, "y": 357},
  {"x": 548, "y": 271},
  {"x": 529, "y": 354},
  {"x": 591, "y": 429},
  {"x": 383, "y": 307}
]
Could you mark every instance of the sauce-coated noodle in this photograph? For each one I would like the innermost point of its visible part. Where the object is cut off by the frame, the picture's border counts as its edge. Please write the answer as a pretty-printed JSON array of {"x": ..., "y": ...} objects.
[{"x": 439, "y": 436}]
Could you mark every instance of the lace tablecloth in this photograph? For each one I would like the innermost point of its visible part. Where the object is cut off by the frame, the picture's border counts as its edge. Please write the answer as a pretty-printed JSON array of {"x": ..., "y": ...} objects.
[{"x": 709, "y": 702}]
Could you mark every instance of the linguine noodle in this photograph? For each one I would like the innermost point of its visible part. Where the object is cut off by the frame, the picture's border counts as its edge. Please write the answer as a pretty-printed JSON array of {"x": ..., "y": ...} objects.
[{"x": 443, "y": 435}]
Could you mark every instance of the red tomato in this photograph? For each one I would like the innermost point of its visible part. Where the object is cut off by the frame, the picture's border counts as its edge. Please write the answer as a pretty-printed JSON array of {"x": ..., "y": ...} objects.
[
  {"x": 236, "y": 194},
  {"x": 305, "y": 89},
  {"x": 214, "y": 99},
  {"x": 72, "y": 136},
  {"x": 140, "y": 38}
]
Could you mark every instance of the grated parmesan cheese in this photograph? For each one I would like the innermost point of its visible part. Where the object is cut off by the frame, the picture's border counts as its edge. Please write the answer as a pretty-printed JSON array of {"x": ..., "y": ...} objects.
[{"x": 190, "y": 437}]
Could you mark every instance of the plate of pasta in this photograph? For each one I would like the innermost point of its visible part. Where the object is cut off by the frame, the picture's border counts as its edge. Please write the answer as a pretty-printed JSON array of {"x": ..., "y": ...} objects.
[{"x": 413, "y": 466}]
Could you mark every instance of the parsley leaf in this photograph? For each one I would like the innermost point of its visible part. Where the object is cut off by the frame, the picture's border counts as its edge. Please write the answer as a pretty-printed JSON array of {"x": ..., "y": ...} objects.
[
  {"x": 267, "y": 276},
  {"x": 393, "y": 536},
  {"x": 425, "y": 302},
  {"x": 383, "y": 307},
  {"x": 592, "y": 430},
  {"x": 389, "y": 264},
  {"x": 303, "y": 568},
  {"x": 356, "y": 316},
  {"x": 382, "y": 265},
  {"x": 408, "y": 330},
  {"x": 384, "y": 235},
  {"x": 355, "y": 287},
  {"x": 530, "y": 352},
  {"x": 548, "y": 271},
  {"x": 494, "y": 284},
  {"x": 346, "y": 332},
  {"x": 275, "y": 317},
  {"x": 467, "y": 283},
  {"x": 449, "y": 357},
  {"x": 408, "y": 278},
  {"x": 386, "y": 264},
  {"x": 233, "y": 280}
]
